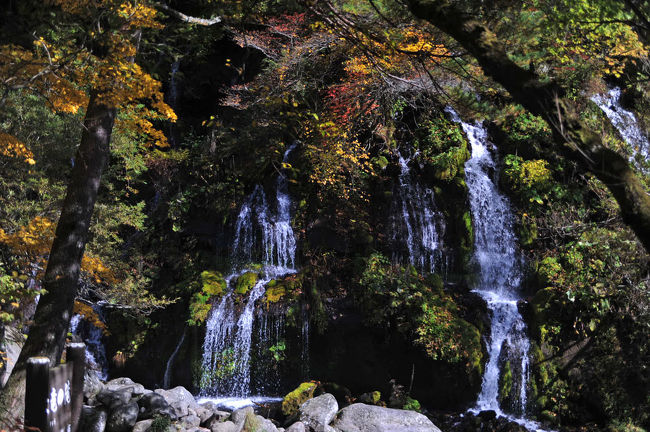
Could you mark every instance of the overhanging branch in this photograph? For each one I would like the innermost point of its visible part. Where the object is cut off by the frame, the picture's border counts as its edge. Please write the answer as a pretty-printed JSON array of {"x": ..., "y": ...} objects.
[{"x": 187, "y": 18}]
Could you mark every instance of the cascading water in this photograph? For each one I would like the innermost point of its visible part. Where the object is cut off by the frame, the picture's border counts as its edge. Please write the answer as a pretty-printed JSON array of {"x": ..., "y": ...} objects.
[
  {"x": 499, "y": 278},
  {"x": 417, "y": 226},
  {"x": 624, "y": 121},
  {"x": 229, "y": 337},
  {"x": 92, "y": 336}
]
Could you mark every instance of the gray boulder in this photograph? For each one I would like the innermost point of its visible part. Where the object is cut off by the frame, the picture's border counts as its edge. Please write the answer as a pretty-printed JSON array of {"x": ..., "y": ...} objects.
[
  {"x": 191, "y": 420},
  {"x": 215, "y": 412},
  {"x": 180, "y": 400},
  {"x": 370, "y": 418},
  {"x": 142, "y": 426},
  {"x": 126, "y": 384},
  {"x": 227, "y": 426},
  {"x": 93, "y": 419},
  {"x": 92, "y": 386},
  {"x": 122, "y": 418},
  {"x": 203, "y": 413},
  {"x": 265, "y": 425},
  {"x": 239, "y": 416},
  {"x": 113, "y": 398},
  {"x": 154, "y": 404},
  {"x": 297, "y": 427},
  {"x": 319, "y": 411}
]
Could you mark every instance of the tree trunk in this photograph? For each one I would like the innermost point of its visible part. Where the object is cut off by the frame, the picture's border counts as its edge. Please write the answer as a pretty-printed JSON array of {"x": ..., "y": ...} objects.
[
  {"x": 573, "y": 137},
  {"x": 52, "y": 318}
]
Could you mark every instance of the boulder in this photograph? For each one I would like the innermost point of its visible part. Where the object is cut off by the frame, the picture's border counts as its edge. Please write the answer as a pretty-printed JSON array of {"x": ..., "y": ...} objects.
[
  {"x": 92, "y": 386},
  {"x": 227, "y": 426},
  {"x": 370, "y": 418},
  {"x": 180, "y": 400},
  {"x": 297, "y": 427},
  {"x": 113, "y": 398},
  {"x": 142, "y": 426},
  {"x": 126, "y": 384},
  {"x": 154, "y": 404},
  {"x": 203, "y": 413},
  {"x": 93, "y": 419},
  {"x": 297, "y": 397},
  {"x": 265, "y": 425},
  {"x": 239, "y": 416},
  {"x": 319, "y": 411},
  {"x": 190, "y": 421},
  {"x": 122, "y": 418}
]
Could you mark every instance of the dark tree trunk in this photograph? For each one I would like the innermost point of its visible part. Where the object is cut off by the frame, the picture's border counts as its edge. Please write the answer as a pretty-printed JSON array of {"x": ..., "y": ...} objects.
[
  {"x": 573, "y": 137},
  {"x": 52, "y": 318}
]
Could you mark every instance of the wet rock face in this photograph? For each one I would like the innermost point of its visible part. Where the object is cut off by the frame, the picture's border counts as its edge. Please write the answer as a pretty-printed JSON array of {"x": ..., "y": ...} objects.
[
  {"x": 93, "y": 419},
  {"x": 122, "y": 418},
  {"x": 154, "y": 404}
]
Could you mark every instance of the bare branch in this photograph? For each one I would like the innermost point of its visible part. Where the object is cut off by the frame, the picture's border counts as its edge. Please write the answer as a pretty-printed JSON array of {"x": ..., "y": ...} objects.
[{"x": 189, "y": 19}]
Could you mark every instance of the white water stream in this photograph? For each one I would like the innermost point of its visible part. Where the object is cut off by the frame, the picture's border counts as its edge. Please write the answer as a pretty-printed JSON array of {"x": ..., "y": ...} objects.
[
  {"x": 417, "y": 225},
  {"x": 92, "y": 337},
  {"x": 624, "y": 121},
  {"x": 499, "y": 279},
  {"x": 269, "y": 239}
]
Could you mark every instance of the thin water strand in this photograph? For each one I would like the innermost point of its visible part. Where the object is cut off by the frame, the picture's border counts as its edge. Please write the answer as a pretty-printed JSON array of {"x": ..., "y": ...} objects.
[{"x": 417, "y": 225}]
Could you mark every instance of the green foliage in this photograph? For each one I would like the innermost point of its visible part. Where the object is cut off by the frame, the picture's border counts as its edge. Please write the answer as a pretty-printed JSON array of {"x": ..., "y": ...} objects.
[
  {"x": 161, "y": 424},
  {"x": 412, "y": 404},
  {"x": 443, "y": 147},
  {"x": 213, "y": 286},
  {"x": 278, "y": 351},
  {"x": 525, "y": 128},
  {"x": 15, "y": 291},
  {"x": 419, "y": 308},
  {"x": 531, "y": 179}
]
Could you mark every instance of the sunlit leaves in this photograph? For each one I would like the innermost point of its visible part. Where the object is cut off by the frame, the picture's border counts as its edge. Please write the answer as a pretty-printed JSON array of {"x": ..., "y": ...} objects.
[
  {"x": 64, "y": 72},
  {"x": 12, "y": 147}
]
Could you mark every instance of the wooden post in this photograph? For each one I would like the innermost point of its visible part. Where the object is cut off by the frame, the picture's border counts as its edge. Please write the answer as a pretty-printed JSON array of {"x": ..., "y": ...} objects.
[
  {"x": 36, "y": 392},
  {"x": 76, "y": 354}
]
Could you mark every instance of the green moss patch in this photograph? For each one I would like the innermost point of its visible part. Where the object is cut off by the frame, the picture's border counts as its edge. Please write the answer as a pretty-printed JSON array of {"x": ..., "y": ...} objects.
[
  {"x": 297, "y": 397},
  {"x": 246, "y": 282}
]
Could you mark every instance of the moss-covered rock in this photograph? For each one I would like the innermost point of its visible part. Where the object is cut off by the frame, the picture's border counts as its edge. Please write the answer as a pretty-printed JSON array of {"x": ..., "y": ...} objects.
[
  {"x": 246, "y": 282},
  {"x": 286, "y": 290},
  {"x": 297, "y": 397},
  {"x": 213, "y": 286},
  {"x": 372, "y": 398},
  {"x": 505, "y": 382},
  {"x": 213, "y": 283}
]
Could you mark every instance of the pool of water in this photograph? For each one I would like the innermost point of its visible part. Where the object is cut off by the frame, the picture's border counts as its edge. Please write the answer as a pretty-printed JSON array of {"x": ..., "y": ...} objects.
[{"x": 235, "y": 403}]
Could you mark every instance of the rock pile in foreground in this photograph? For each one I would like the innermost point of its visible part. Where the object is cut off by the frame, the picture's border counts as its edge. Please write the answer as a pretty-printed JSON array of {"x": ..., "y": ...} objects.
[{"x": 120, "y": 405}]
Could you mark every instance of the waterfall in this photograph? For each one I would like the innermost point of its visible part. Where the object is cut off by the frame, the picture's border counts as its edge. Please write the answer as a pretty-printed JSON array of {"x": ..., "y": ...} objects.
[
  {"x": 417, "y": 225},
  {"x": 499, "y": 267},
  {"x": 624, "y": 121},
  {"x": 167, "y": 378},
  {"x": 92, "y": 338},
  {"x": 262, "y": 237}
]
